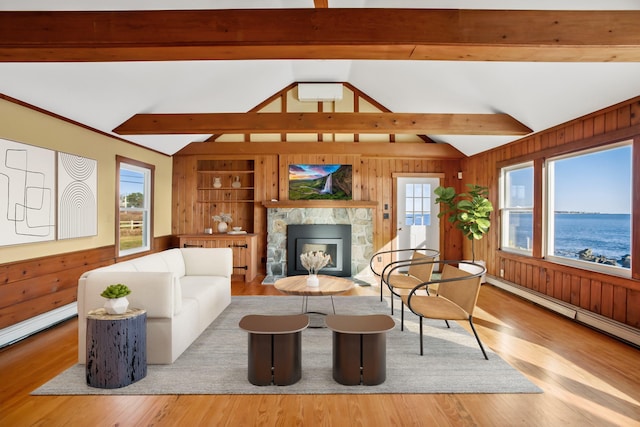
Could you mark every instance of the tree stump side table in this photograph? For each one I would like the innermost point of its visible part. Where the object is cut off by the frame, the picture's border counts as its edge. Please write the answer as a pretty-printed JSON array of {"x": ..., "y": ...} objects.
[{"x": 116, "y": 348}]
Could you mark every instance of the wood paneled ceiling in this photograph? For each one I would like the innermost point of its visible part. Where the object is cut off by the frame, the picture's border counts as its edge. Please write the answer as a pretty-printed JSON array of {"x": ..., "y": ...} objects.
[{"x": 320, "y": 33}]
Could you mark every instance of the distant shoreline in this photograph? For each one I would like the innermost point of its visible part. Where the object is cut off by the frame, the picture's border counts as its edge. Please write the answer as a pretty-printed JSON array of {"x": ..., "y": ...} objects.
[{"x": 587, "y": 213}]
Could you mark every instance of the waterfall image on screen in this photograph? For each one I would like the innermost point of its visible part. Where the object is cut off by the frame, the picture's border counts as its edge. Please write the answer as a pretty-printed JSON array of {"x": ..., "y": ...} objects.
[{"x": 308, "y": 182}]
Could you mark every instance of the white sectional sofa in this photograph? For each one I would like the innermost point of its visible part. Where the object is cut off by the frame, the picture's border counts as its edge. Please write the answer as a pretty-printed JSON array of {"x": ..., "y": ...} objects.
[{"x": 182, "y": 290}]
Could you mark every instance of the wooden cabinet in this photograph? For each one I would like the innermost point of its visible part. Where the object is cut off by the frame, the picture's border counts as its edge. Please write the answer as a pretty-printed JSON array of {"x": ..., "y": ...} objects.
[
  {"x": 226, "y": 186},
  {"x": 244, "y": 247}
]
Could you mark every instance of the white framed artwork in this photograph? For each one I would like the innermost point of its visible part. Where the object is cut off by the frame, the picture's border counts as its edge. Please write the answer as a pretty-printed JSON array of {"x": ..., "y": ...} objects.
[
  {"x": 77, "y": 196},
  {"x": 27, "y": 193}
]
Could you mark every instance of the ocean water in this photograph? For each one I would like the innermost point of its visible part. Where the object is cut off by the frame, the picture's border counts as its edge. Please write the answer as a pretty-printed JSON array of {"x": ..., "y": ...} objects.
[{"x": 608, "y": 235}]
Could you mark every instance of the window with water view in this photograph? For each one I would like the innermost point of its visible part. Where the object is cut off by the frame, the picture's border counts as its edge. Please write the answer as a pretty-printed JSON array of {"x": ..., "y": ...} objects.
[
  {"x": 517, "y": 208},
  {"x": 589, "y": 207},
  {"x": 587, "y": 200},
  {"x": 418, "y": 204}
]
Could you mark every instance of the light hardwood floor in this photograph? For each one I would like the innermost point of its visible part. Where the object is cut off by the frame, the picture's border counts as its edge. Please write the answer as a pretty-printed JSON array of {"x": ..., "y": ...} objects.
[{"x": 588, "y": 379}]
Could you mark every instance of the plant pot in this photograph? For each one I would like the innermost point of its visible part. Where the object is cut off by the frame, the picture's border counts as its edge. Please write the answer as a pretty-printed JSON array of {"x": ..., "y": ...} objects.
[
  {"x": 313, "y": 281},
  {"x": 473, "y": 269},
  {"x": 116, "y": 305},
  {"x": 222, "y": 227}
]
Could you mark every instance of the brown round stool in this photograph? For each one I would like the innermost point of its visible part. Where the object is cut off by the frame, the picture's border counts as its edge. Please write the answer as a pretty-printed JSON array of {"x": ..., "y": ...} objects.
[
  {"x": 275, "y": 350},
  {"x": 360, "y": 348}
]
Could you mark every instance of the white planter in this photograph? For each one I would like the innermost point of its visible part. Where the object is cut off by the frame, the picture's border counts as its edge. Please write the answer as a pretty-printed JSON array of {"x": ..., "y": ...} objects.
[
  {"x": 116, "y": 305},
  {"x": 222, "y": 227},
  {"x": 313, "y": 281},
  {"x": 473, "y": 269}
]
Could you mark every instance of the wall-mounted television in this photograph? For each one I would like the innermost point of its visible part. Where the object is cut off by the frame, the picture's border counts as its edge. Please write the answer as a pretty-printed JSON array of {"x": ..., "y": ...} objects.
[{"x": 313, "y": 182}]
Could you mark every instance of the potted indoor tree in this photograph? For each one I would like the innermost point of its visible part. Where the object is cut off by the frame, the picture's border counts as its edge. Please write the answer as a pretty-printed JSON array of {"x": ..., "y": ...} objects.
[
  {"x": 116, "y": 295},
  {"x": 468, "y": 211}
]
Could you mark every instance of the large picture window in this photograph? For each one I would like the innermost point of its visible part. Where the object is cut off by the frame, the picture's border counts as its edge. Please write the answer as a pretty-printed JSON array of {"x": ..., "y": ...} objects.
[
  {"x": 516, "y": 208},
  {"x": 134, "y": 206},
  {"x": 588, "y": 211}
]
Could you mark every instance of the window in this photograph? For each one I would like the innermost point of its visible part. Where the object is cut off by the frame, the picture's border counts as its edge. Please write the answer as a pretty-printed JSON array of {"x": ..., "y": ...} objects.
[
  {"x": 589, "y": 209},
  {"x": 516, "y": 208},
  {"x": 418, "y": 204},
  {"x": 135, "y": 184}
]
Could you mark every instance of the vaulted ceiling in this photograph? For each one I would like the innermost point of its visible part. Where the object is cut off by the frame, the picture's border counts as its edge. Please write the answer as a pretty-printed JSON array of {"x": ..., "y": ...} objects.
[{"x": 537, "y": 68}]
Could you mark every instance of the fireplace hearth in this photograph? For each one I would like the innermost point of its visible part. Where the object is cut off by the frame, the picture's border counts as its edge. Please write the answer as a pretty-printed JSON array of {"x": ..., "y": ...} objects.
[{"x": 333, "y": 239}]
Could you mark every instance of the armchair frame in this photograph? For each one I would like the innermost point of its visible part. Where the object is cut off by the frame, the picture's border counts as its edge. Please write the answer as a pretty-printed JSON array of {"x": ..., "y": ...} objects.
[{"x": 455, "y": 298}]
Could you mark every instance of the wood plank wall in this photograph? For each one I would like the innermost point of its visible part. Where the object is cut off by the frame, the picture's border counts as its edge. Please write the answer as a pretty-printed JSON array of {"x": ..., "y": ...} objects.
[
  {"x": 32, "y": 287},
  {"x": 372, "y": 181},
  {"x": 610, "y": 296}
]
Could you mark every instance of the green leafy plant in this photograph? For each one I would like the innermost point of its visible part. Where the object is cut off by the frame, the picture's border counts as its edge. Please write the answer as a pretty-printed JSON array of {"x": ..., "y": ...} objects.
[
  {"x": 116, "y": 291},
  {"x": 469, "y": 211}
]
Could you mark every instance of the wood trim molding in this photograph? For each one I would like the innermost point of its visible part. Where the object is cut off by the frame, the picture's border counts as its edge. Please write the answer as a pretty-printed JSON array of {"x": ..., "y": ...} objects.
[
  {"x": 417, "y": 175},
  {"x": 303, "y": 204}
]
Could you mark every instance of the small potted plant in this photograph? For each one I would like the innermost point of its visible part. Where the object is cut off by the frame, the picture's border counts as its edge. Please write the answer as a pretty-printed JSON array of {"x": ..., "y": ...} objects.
[
  {"x": 223, "y": 220},
  {"x": 116, "y": 295},
  {"x": 314, "y": 262}
]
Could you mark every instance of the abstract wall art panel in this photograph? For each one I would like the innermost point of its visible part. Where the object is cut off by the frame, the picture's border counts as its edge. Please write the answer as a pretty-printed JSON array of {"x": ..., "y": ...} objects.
[
  {"x": 27, "y": 193},
  {"x": 77, "y": 196},
  {"x": 309, "y": 182}
]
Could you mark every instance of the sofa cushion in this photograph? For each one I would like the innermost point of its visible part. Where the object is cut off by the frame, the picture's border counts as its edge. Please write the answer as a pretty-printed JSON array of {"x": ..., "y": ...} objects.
[
  {"x": 174, "y": 260},
  {"x": 152, "y": 291},
  {"x": 194, "y": 286},
  {"x": 150, "y": 263},
  {"x": 199, "y": 262}
]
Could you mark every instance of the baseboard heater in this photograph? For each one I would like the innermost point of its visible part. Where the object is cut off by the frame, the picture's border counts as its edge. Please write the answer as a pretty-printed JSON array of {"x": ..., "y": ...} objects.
[
  {"x": 603, "y": 324},
  {"x": 26, "y": 328}
]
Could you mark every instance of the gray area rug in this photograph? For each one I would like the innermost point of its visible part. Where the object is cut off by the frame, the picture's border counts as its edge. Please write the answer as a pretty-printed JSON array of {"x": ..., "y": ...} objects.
[{"x": 217, "y": 362}]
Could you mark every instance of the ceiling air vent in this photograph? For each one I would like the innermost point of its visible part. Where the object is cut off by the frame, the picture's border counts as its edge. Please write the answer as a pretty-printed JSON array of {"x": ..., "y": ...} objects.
[{"x": 319, "y": 92}]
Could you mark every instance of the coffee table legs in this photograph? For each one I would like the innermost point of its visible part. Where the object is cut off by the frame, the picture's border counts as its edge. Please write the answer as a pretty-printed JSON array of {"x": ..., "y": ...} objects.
[
  {"x": 359, "y": 358},
  {"x": 275, "y": 358}
]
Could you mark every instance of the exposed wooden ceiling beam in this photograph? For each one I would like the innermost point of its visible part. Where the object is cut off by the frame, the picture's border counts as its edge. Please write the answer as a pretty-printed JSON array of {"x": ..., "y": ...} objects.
[
  {"x": 372, "y": 149},
  {"x": 391, "y": 123},
  {"x": 321, "y": 33}
]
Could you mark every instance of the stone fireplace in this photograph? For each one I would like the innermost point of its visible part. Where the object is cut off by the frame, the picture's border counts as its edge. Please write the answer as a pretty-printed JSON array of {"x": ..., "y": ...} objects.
[{"x": 359, "y": 215}]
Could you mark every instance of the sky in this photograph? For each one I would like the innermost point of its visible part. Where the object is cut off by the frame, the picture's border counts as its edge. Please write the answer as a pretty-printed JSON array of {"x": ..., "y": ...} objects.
[
  {"x": 598, "y": 182},
  {"x": 310, "y": 171},
  {"x": 130, "y": 182}
]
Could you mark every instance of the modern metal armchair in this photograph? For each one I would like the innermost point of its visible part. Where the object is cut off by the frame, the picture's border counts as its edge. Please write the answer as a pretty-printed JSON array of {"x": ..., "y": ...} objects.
[
  {"x": 382, "y": 260},
  {"x": 401, "y": 276},
  {"x": 454, "y": 299}
]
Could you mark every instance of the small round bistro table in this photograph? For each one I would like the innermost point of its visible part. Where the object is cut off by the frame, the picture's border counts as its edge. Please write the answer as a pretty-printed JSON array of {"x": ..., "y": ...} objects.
[{"x": 329, "y": 286}]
